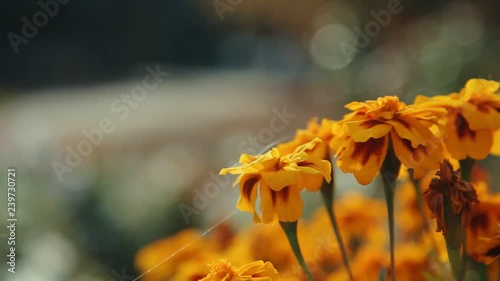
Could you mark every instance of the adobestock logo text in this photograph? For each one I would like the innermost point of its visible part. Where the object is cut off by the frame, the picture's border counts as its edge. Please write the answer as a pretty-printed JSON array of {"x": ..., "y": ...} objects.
[{"x": 48, "y": 9}]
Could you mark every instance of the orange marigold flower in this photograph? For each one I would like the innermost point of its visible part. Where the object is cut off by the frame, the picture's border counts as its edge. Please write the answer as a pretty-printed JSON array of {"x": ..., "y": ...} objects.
[
  {"x": 362, "y": 141},
  {"x": 222, "y": 270},
  {"x": 280, "y": 179},
  {"x": 472, "y": 120},
  {"x": 366, "y": 265},
  {"x": 414, "y": 262},
  {"x": 154, "y": 254},
  {"x": 452, "y": 188},
  {"x": 483, "y": 231},
  {"x": 323, "y": 131}
]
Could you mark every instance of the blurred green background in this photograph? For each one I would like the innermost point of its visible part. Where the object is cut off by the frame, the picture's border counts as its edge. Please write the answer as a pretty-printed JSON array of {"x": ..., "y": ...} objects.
[{"x": 241, "y": 75}]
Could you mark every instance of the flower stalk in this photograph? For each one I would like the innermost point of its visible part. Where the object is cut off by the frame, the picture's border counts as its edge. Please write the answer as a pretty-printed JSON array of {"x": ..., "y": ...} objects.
[
  {"x": 290, "y": 229},
  {"x": 420, "y": 200},
  {"x": 328, "y": 195},
  {"x": 389, "y": 172},
  {"x": 467, "y": 165}
]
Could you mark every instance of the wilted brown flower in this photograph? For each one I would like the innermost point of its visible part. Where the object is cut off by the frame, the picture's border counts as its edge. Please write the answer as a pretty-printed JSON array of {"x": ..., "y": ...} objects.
[{"x": 450, "y": 188}]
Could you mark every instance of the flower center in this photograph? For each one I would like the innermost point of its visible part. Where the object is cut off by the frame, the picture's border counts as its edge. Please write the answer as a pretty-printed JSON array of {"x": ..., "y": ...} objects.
[
  {"x": 223, "y": 269},
  {"x": 386, "y": 107},
  {"x": 389, "y": 103}
]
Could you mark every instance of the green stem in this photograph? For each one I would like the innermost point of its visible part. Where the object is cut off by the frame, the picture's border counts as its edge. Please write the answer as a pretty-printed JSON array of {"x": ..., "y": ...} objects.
[
  {"x": 389, "y": 197},
  {"x": 420, "y": 199},
  {"x": 479, "y": 270},
  {"x": 455, "y": 260},
  {"x": 290, "y": 229},
  {"x": 327, "y": 193},
  {"x": 389, "y": 172},
  {"x": 454, "y": 237},
  {"x": 421, "y": 204},
  {"x": 467, "y": 165}
]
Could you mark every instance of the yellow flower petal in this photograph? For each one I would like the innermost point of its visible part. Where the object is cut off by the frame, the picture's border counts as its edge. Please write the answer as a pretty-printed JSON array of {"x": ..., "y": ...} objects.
[
  {"x": 314, "y": 165},
  {"x": 355, "y": 105},
  {"x": 260, "y": 163},
  {"x": 410, "y": 129},
  {"x": 276, "y": 180},
  {"x": 308, "y": 146},
  {"x": 288, "y": 204},
  {"x": 496, "y": 144},
  {"x": 480, "y": 146},
  {"x": 247, "y": 158},
  {"x": 223, "y": 270},
  {"x": 449, "y": 101},
  {"x": 311, "y": 182},
  {"x": 482, "y": 86},
  {"x": 267, "y": 204},
  {"x": 361, "y": 131},
  {"x": 259, "y": 271},
  {"x": 481, "y": 117}
]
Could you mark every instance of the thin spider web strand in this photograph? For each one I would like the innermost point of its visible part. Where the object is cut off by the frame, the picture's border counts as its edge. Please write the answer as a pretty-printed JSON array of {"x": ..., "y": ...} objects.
[{"x": 187, "y": 245}]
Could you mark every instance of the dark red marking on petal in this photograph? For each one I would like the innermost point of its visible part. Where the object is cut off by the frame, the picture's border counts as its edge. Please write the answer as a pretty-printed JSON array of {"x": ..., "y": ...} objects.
[
  {"x": 479, "y": 221},
  {"x": 404, "y": 123},
  {"x": 483, "y": 108},
  {"x": 248, "y": 187},
  {"x": 365, "y": 150},
  {"x": 463, "y": 128},
  {"x": 284, "y": 194},
  {"x": 196, "y": 277},
  {"x": 415, "y": 151},
  {"x": 493, "y": 252},
  {"x": 274, "y": 196},
  {"x": 370, "y": 123}
]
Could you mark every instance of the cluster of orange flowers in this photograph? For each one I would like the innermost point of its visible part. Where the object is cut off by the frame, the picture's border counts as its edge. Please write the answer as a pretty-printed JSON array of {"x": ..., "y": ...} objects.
[
  {"x": 439, "y": 133},
  {"x": 362, "y": 222}
]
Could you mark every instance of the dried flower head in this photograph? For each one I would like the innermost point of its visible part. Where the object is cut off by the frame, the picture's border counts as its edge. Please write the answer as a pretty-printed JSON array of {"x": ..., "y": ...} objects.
[{"x": 450, "y": 187}]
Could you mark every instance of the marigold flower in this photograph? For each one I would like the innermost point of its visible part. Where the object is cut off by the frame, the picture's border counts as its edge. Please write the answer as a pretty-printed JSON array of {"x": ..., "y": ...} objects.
[
  {"x": 362, "y": 141},
  {"x": 450, "y": 186},
  {"x": 413, "y": 260},
  {"x": 483, "y": 232},
  {"x": 472, "y": 120},
  {"x": 263, "y": 242},
  {"x": 280, "y": 179},
  {"x": 222, "y": 270},
  {"x": 154, "y": 254},
  {"x": 366, "y": 265},
  {"x": 323, "y": 131}
]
